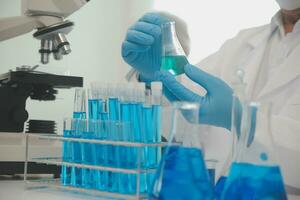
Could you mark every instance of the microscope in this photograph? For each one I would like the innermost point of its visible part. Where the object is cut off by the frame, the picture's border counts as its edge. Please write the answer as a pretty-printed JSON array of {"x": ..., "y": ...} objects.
[{"x": 48, "y": 19}]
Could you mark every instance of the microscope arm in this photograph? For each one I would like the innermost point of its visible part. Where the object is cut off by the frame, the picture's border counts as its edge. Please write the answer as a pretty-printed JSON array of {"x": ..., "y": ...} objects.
[{"x": 15, "y": 26}]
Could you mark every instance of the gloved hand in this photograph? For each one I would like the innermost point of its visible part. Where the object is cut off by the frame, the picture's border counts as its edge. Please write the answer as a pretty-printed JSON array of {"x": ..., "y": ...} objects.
[
  {"x": 142, "y": 46},
  {"x": 215, "y": 106}
]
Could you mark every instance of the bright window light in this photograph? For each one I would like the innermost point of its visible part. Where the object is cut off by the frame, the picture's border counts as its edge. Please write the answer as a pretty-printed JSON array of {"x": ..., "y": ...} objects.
[{"x": 212, "y": 22}]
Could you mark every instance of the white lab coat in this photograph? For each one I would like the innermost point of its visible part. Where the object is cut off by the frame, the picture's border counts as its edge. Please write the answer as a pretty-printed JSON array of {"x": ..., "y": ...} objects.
[{"x": 283, "y": 90}]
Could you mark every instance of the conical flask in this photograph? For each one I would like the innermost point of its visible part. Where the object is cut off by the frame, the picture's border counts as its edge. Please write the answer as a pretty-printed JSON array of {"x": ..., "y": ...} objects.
[
  {"x": 173, "y": 55},
  {"x": 254, "y": 173},
  {"x": 182, "y": 173},
  {"x": 239, "y": 95}
]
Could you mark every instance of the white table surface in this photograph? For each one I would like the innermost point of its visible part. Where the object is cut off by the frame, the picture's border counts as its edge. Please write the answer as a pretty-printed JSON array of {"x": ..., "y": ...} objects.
[{"x": 14, "y": 190}]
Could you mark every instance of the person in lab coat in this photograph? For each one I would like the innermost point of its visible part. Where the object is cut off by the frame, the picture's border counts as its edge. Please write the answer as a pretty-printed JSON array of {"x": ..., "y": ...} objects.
[{"x": 270, "y": 58}]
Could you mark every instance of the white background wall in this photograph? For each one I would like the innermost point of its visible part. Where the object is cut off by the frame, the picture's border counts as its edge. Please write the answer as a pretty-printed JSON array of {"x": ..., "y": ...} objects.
[
  {"x": 211, "y": 22},
  {"x": 100, "y": 27}
]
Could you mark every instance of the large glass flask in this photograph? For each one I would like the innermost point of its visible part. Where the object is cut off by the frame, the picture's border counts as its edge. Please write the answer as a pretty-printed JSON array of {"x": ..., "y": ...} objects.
[
  {"x": 173, "y": 56},
  {"x": 182, "y": 173},
  {"x": 254, "y": 173}
]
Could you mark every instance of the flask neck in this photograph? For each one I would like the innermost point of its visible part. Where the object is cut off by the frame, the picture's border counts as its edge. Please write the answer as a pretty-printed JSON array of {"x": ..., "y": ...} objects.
[{"x": 170, "y": 42}]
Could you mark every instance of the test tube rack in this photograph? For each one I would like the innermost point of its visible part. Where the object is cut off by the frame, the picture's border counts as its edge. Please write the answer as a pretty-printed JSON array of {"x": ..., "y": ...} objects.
[{"x": 54, "y": 183}]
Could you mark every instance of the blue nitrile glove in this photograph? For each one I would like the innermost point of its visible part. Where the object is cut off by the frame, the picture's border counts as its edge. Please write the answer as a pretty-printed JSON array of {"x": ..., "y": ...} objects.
[
  {"x": 142, "y": 46},
  {"x": 215, "y": 106}
]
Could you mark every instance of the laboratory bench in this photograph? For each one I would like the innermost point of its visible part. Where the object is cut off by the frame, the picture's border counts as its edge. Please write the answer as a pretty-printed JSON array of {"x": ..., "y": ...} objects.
[{"x": 14, "y": 190}]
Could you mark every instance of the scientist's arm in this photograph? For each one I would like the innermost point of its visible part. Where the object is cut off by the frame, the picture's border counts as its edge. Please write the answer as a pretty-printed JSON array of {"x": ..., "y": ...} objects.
[{"x": 215, "y": 104}]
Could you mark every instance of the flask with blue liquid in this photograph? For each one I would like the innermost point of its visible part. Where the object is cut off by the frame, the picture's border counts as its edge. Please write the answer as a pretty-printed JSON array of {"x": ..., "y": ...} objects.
[
  {"x": 182, "y": 173},
  {"x": 254, "y": 173},
  {"x": 173, "y": 56}
]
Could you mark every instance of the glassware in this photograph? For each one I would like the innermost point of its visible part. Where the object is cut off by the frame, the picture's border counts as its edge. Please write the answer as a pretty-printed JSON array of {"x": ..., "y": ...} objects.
[
  {"x": 79, "y": 111},
  {"x": 182, "y": 173},
  {"x": 254, "y": 173},
  {"x": 173, "y": 56}
]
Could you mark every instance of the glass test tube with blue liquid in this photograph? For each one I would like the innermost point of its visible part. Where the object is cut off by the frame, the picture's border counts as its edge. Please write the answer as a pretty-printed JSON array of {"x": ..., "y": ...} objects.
[
  {"x": 139, "y": 135},
  {"x": 126, "y": 153},
  {"x": 155, "y": 137},
  {"x": 79, "y": 112},
  {"x": 66, "y": 154},
  {"x": 113, "y": 151},
  {"x": 98, "y": 111}
]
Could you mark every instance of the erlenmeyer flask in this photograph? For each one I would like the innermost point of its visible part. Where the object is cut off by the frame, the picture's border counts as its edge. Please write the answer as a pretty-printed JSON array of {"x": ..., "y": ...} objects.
[
  {"x": 173, "y": 56},
  {"x": 254, "y": 173},
  {"x": 182, "y": 173},
  {"x": 239, "y": 96}
]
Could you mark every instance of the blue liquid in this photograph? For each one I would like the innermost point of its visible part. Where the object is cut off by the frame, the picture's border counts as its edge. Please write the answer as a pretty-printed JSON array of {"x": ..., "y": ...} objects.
[
  {"x": 66, "y": 171},
  {"x": 88, "y": 157},
  {"x": 126, "y": 157},
  {"x": 97, "y": 111},
  {"x": 96, "y": 106},
  {"x": 220, "y": 187},
  {"x": 113, "y": 151},
  {"x": 137, "y": 122},
  {"x": 76, "y": 173},
  {"x": 156, "y": 135},
  {"x": 101, "y": 177},
  {"x": 254, "y": 182},
  {"x": 149, "y": 131},
  {"x": 79, "y": 115},
  {"x": 114, "y": 108},
  {"x": 184, "y": 176}
]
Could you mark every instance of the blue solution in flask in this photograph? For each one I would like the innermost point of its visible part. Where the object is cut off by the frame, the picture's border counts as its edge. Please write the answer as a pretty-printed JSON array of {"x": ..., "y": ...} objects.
[
  {"x": 249, "y": 181},
  {"x": 65, "y": 170},
  {"x": 220, "y": 187},
  {"x": 184, "y": 176}
]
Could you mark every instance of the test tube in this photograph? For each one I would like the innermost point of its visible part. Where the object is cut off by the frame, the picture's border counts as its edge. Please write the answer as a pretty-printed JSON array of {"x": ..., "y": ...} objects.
[
  {"x": 97, "y": 101},
  {"x": 66, "y": 154},
  {"x": 77, "y": 127},
  {"x": 155, "y": 137},
  {"x": 113, "y": 101},
  {"x": 101, "y": 152},
  {"x": 125, "y": 152},
  {"x": 79, "y": 111},
  {"x": 138, "y": 99},
  {"x": 88, "y": 153}
]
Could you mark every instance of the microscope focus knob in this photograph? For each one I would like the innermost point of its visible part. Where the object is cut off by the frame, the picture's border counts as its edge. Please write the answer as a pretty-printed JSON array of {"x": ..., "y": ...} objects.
[{"x": 20, "y": 115}]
